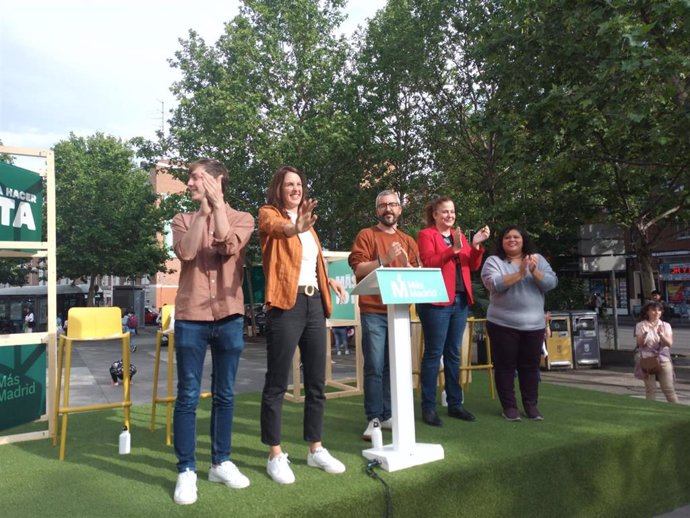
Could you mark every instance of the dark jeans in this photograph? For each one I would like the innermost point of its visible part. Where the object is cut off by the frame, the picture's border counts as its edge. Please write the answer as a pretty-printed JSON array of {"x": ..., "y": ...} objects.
[
  {"x": 303, "y": 325},
  {"x": 511, "y": 350},
  {"x": 443, "y": 327},
  {"x": 192, "y": 338},
  {"x": 377, "y": 377}
]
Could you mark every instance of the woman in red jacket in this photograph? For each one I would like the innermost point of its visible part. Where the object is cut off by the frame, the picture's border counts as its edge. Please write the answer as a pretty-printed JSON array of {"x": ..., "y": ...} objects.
[{"x": 442, "y": 246}]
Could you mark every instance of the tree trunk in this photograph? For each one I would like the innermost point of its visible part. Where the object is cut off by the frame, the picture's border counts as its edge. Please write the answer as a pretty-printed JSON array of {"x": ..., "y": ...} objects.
[
  {"x": 92, "y": 291},
  {"x": 645, "y": 260}
]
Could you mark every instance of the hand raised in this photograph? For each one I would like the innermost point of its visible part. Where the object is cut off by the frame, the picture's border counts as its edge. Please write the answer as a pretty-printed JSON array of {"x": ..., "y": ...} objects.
[
  {"x": 482, "y": 235},
  {"x": 305, "y": 216},
  {"x": 396, "y": 252},
  {"x": 457, "y": 239},
  {"x": 524, "y": 266},
  {"x": 214, "y": 190}
]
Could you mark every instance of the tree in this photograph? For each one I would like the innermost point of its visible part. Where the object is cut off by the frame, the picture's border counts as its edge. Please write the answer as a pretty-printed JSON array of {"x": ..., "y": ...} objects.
[
  {"x": 601, "y": 90},
  {"x": 269, "y": 92},
  {"x": 14, "y": 271},
  {"x": 6, "y": 157},
  {"x": 429, "y": 106},
  {"x": 107, "y": 219},
  {"x": 390, "y": 105}
]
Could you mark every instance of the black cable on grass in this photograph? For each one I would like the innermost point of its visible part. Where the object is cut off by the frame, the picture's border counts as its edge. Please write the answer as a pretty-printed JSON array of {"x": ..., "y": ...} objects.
[{"x": 388, "y": 510}]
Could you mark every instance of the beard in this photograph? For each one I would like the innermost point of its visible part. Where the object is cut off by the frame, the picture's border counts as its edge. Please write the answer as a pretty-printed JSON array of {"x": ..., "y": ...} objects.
[{"x": 388, "y": 219}]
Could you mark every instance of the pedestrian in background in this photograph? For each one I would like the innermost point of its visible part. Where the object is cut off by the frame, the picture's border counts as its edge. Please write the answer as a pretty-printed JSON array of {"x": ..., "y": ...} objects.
[
  {"x": 654, "y": 339},
  {"x": 130, "y": 323}
]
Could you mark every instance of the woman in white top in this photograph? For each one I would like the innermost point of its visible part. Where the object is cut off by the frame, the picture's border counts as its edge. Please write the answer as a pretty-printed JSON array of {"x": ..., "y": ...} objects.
[
  {"x": 298, "y": 301},
  {"x": 654, "y": 338}
]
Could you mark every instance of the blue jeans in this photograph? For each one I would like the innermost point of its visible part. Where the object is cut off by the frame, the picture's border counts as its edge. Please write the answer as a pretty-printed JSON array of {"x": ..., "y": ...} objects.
[
  {"x": 191, "y": 341},
  {"x": 443, "y": 327},
  {"x": 377, "y": 379},
  {"x": 132, "y": 333},
  {"x": 340, "y": 335}
]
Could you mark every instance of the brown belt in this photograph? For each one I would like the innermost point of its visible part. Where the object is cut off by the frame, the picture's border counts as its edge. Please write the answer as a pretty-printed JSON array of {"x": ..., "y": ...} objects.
[{"x": 308, "y": 290}]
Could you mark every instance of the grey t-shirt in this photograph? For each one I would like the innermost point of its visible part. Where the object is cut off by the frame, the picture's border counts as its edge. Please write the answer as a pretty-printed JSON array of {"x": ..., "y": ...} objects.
[{"x": 520, "y": 306}]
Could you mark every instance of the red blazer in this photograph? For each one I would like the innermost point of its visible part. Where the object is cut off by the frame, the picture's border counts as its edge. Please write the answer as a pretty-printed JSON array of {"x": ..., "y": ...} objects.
[{"x": 435, "y": 253}]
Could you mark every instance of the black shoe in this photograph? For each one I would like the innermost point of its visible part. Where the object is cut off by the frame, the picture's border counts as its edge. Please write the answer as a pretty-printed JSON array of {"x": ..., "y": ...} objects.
[
  {"x": 532, "y": 412},
  {"x": 460, "y": 413},
  {"x": 511, "y": 414},
  {"x": 430, "y": 417}
]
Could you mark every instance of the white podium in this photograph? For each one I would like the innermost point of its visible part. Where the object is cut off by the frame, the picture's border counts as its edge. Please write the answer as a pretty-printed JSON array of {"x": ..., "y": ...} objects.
[{"x": 398, "y": 288}]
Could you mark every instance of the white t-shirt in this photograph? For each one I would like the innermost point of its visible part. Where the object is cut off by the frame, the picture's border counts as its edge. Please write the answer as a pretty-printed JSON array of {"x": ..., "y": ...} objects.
[{"x": 310, "y": 252}]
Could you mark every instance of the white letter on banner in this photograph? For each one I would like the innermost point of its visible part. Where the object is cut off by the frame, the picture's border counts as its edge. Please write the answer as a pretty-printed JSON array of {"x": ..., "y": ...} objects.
[
  {"x": 24, "y": 216},
  {"x": 399, "y": 288},
  {"x": 6, "y": 205}
]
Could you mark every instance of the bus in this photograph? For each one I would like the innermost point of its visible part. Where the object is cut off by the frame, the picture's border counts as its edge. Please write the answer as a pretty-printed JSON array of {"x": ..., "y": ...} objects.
[{"x": 14, "y": 300}]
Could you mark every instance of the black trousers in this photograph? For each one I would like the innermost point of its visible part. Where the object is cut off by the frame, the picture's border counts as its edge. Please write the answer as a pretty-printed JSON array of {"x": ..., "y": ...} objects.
[
  {"x": 514, "y": 350},
  {"x": 303, "y": 325}
]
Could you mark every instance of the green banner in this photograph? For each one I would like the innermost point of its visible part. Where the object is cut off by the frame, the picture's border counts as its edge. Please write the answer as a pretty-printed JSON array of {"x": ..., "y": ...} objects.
[
  {"x": 341, "y": 272},
  {"x": 22, "y": 384},
  {"x": 21, "y": 204},
  {"x": 254, "y": 283},
  {"x": 410, "y": 285}
]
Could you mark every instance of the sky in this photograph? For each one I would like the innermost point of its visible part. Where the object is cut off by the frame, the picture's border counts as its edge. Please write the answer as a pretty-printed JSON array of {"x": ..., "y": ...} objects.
[{"x": 88, "y": 66}]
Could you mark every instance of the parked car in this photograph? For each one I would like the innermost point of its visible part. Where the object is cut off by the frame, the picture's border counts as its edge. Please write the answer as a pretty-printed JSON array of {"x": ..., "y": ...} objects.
[{"x": 150, "y": 316}]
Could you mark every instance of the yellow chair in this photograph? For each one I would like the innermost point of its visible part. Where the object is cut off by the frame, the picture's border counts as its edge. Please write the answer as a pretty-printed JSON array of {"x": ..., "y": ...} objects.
[
  {"x": 466, "y": 361},
  {"x": 167, "y": 316},
  {"x": 89, "y": 324}
]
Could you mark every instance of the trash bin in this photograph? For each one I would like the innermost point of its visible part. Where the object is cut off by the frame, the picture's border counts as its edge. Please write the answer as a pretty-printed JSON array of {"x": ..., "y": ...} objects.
[
  {"x": 585, "y": 331},
  {"x": 559, "y": 345}
]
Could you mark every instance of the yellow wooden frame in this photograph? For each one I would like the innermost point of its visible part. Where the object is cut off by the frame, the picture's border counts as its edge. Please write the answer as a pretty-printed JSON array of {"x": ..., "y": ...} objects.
[
  {"x": 167, "y": 312},
  {"x": 343, "y": 387},
  {"x": 466, "y": 366},
  {"x": 43, "y": 249}
]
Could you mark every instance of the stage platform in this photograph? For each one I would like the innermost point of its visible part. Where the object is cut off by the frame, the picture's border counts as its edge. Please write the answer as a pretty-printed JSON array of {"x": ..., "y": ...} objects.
[{"x": 594, "y": 455}]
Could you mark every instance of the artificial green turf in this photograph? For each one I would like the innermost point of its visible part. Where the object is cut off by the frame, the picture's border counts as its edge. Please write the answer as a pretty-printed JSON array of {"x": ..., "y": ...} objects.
[{"x": 595, "y": 455}]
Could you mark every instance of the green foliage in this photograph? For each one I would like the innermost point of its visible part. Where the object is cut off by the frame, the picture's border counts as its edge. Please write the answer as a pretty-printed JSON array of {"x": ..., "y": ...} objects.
[
  {"x": 600, "y": 91},
  {"x": 107, "y": 217},
  {"x": 570, "y": 293},
  {"x": 546, "y": 114},
  {"x": 267, "y": 93},
  {"x": 13, "y": 271}
]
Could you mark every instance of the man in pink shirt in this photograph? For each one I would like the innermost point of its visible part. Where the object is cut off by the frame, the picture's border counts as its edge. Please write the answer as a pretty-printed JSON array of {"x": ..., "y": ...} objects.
[{"x": 209, "y": 310}]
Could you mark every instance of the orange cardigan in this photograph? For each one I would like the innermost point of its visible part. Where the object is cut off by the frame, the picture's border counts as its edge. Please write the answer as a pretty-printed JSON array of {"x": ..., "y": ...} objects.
[{"x": 282, "y": 257}]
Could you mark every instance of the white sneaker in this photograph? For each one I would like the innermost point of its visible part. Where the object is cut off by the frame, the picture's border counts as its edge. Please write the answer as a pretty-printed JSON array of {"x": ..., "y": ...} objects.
[
  {"x": 228, "y": 474},
  {"x": 324, "y": 460},
  {"x": 370, "y": 428},
  {"x": 387, "y": 424},
  {"x": 185, "y": 489},
  {"x": 279, "y": 469}
]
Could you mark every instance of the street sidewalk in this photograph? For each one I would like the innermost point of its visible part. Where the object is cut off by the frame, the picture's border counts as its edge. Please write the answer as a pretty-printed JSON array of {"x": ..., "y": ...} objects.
[{"x": 91, "y": 379}]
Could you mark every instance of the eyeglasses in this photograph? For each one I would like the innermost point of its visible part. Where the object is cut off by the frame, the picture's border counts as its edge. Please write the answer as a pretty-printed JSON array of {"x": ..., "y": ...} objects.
[{"x": 384, "y": 206}]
